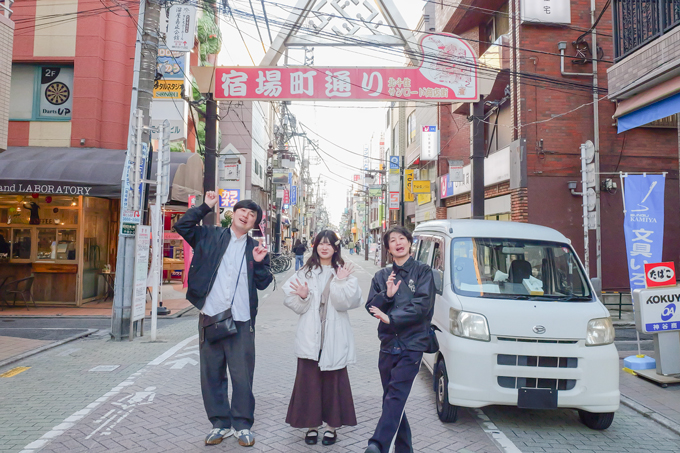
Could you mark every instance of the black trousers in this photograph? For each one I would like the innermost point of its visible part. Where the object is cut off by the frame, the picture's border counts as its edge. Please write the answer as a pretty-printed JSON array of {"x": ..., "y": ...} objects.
[
  {"x": 237, "y": 354},
  {"x": 397, "y": 373}
]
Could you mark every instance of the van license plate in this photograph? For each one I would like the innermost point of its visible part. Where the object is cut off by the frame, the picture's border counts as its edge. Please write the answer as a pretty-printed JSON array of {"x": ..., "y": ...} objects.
[{"x": 528, "y": 398}]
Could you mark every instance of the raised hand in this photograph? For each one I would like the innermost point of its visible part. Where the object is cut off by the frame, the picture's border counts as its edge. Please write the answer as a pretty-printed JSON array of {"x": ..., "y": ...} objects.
[
  {"x": 259, "y": 253},
  {"x": 299, "y": 289},
  {"x": 345, "y": 271},
  {"x": 211, "y": 198},
  {"x": 391, "y": 287},
  {"x": 375, "y": 311}
]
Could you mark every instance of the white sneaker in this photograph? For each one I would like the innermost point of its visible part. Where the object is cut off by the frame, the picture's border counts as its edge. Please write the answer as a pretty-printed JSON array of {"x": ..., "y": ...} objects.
[
  {"x": 245, "y": 438},
  {"x": 216, "y": 435}
]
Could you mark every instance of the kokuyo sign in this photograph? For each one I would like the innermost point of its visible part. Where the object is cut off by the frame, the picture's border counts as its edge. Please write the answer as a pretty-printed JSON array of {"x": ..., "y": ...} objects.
[
  {"x": 660, "y": 274},
  {"x": 657, "y": 309}
]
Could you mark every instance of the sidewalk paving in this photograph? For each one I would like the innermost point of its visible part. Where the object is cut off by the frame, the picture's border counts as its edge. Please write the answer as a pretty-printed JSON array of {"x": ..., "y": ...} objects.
[{"x": 173, "y": 298}]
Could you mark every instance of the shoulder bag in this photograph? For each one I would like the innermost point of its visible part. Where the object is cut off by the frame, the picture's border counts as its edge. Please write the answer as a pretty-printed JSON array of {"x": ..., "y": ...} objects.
[{"x": 222, "y": 325}]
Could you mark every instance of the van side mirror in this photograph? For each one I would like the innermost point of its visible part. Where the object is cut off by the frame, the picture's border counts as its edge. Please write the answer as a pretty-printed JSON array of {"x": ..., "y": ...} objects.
[
  {"x": 438, "y": 280},
  {"x": 597, "y": 286}
]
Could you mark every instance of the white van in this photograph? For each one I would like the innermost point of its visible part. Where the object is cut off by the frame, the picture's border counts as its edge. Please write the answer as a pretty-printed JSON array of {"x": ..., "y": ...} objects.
[{"x": 520, "y": 323}]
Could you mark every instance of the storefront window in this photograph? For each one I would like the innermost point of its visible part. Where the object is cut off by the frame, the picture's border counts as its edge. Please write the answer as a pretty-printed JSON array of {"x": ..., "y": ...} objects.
[
  {"x": 47, "y": 244},
  {"x": 4, "y": 244},
  {"x": 21, "y": 243},
  {"x": 66, "y": 244}
]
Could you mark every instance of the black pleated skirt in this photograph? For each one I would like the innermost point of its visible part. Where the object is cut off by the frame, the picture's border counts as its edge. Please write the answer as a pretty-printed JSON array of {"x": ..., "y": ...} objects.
[{"x": 320, "y": 396}]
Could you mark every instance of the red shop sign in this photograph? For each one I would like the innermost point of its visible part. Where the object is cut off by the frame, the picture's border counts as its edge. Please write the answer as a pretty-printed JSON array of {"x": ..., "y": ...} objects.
[{"x": 448, "y": 72}]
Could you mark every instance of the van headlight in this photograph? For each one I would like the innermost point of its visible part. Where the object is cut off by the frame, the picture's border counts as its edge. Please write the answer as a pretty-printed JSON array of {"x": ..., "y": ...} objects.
[
  {"x": 468, "y": 325},
  {"x": 600, "y": 332}
]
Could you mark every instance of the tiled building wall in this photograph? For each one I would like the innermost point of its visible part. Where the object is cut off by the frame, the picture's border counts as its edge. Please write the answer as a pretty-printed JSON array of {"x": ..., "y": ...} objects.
[{"x": 7, "y": 38}]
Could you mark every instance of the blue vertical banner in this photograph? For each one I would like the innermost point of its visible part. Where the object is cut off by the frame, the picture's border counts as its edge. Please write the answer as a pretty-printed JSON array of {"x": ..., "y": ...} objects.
[
  {"x": 643, "y": 224},
  {"x": 293, "y": 195}
]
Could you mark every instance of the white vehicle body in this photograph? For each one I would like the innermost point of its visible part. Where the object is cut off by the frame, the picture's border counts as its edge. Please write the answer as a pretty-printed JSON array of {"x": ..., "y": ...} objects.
[{"x": 515, "y": 356}]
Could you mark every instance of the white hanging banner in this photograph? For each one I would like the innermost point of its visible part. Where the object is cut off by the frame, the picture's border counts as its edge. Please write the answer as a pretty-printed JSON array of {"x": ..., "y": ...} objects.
[
  {"x": 181, "y": 28},
  {"x": 429, "y": 143}
]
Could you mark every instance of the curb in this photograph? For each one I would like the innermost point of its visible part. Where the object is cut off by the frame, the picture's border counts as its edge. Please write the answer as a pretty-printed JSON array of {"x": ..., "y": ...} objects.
[
  {"x": 650, "y": 413},
  {"x": 178, "y": 314},
  {"x": 26, "y": 354}
]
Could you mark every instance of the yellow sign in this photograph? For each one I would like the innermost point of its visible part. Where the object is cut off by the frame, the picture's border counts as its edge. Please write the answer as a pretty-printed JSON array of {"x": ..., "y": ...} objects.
[
  {"x": 408, "y": 190},
  {"x": 168, "y": 89},
  {"x": 421, "y": 187},
  {"x": 424, "y": 198},
  {"x": 15, "y": 371}
]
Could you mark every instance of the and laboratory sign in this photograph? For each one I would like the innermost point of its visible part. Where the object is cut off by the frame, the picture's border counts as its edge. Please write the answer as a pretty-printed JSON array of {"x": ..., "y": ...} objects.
[
  {"x": 51, "y": 189},
  {"x": 448, "y": 73},
  {"x": 657, "y": 310}
]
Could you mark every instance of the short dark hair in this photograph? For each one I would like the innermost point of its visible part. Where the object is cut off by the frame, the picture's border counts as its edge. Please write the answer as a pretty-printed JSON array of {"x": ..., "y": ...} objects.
[
  {"x": 250, "y": 204},
  {"x": 396, "y": 229}
]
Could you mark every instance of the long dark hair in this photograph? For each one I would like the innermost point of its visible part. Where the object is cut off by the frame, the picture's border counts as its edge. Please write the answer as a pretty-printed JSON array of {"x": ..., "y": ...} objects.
[
  {"x": 314, "y": 261},
  {"x": 297, "y": 242}
]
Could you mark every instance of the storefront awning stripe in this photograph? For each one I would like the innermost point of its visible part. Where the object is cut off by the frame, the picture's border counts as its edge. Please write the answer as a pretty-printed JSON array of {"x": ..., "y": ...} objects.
[
  {"x": 661, "y": 109},
  {"x": 92, "y": 172}
]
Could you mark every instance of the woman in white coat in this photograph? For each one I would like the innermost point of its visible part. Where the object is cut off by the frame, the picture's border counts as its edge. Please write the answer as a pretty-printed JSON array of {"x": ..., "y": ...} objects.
[{"x": 321, "y": 293}]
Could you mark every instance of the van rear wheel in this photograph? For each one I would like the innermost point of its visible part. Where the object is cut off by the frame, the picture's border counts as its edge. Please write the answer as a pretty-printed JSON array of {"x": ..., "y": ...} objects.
[
  {"x": 596, "y": 420},
  {"x": 447, "y": 413}
]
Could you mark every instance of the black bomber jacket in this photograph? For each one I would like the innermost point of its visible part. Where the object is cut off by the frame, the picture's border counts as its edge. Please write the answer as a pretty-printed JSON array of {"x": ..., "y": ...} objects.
[
  {"x": 210, "y": 243},
  {"x": 410, "y": 310}
]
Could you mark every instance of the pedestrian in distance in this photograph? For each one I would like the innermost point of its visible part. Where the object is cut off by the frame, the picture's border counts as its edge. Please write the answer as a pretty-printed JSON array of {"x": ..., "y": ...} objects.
[
  {"x": 322, "y": 292},
  {"x": 350, "y": 246},
  {"x": 402, "y": 298},
  {"x": 226, "y": 271},
  {"x": 299, "y": 250}
]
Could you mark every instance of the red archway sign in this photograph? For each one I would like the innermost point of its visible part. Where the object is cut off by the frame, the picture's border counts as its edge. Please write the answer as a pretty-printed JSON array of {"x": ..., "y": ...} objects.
[{"x": 448, "y": 72}]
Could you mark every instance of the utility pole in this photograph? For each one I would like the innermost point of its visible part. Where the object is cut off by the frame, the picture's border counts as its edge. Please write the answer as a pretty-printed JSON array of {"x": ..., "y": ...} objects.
[
  {"x": 477, "y": 159},
  {"x": 209, "y": 178},
  {"x": 146, "y": 54}
]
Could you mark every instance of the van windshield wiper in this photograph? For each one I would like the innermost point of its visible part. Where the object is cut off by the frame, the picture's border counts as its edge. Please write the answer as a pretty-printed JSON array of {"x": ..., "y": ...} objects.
[{"x": 573, "y": 298}]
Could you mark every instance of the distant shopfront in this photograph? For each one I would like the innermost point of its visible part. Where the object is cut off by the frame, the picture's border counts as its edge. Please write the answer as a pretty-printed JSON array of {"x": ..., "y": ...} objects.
[{"x": 59, "y": 210}]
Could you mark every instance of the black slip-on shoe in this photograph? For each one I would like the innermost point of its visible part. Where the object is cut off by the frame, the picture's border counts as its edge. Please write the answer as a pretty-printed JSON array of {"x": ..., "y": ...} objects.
[
  {"x": 329, "y": 437},
  {"x": 311, "y": 437}
]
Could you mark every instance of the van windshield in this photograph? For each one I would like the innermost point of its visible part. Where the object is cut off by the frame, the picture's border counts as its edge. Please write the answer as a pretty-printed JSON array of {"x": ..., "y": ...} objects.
[{"x": 517, "y": 269}]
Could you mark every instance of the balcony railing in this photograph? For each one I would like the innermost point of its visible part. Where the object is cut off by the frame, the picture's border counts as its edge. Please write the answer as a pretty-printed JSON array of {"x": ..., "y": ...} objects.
[{"x": 637, "y": 22}]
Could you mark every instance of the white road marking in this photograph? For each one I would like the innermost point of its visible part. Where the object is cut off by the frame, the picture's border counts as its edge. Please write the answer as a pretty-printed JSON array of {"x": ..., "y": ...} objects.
[
  {"x": 500, "y": 439},
  {"x": 70, "y": 421},
  {"x": 181, "y": 363}
]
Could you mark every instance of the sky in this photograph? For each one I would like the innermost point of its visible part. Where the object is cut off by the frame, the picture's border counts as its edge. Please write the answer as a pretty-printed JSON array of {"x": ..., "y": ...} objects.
[{"x": 336, "y": 125}]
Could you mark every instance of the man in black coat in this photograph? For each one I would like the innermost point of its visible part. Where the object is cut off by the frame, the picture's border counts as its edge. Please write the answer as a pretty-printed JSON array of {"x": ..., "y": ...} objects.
[
  {"x": 402, "y": 298},
  {"x": 226, "y": 271}
]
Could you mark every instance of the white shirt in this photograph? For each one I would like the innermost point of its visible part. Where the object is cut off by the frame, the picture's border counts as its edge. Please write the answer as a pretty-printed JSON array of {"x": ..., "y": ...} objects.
[{"x": 220, "y": 296}]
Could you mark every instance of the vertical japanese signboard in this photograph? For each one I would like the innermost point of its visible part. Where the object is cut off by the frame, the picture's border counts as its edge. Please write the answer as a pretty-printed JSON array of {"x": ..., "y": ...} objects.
[
  {"x": 429, "y": 143},
  {"x": 143, "y": 241},
  {"x": 643, "y": 224},
  {"x": 181, "y": 28},
  {"x": 293, "y": 195},
  {"x": 408, "y": 185},
  {"x": 394, "y": 200}
]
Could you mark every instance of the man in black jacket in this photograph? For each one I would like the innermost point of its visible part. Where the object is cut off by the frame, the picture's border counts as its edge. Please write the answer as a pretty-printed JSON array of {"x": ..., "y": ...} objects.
[
  {"x": 227, "y": 270},
  {"x": 402, "y": 298}
]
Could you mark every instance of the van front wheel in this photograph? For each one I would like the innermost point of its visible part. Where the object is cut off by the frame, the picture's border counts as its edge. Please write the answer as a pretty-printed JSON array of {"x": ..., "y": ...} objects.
[
  {"x": 446, "y": 412},
  {"x": 598, "y": 421}
]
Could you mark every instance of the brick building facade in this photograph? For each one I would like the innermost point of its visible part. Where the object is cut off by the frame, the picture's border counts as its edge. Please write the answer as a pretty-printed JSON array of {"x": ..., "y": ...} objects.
[{"x": 549, "y": 115}]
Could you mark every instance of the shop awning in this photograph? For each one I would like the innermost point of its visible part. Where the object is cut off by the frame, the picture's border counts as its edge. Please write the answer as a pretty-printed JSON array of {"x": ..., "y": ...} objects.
[
  {"x": 656, "y": 111},
  {"x": 91, "y": 172}
]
